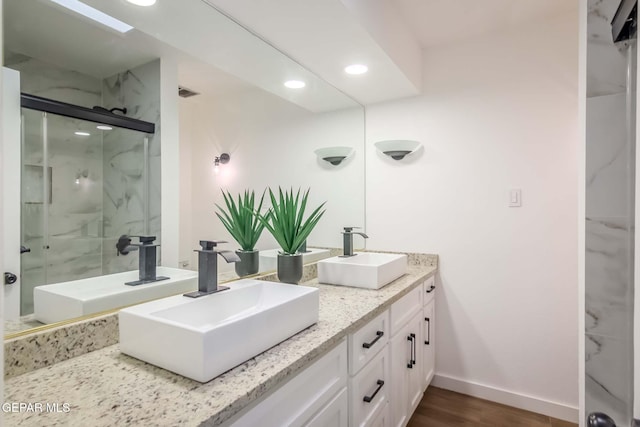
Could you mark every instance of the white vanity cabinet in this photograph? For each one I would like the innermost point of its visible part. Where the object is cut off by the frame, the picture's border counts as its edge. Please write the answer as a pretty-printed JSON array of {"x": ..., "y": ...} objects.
[{"x": 375, "y": 377}]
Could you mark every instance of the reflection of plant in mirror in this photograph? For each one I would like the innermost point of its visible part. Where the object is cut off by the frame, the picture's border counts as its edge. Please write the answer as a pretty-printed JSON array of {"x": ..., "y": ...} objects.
[
  {"x": 239, "y": 218},
  {"x": 284, "y": 219}
]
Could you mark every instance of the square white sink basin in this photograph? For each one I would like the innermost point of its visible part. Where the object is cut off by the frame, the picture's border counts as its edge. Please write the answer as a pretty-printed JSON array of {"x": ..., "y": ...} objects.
[
  {"x": 67, "y": 300},
  {"x": 269, "y": 258},
  {"x": 201, "y": 338},
  {"x": 364, "y": 270}
]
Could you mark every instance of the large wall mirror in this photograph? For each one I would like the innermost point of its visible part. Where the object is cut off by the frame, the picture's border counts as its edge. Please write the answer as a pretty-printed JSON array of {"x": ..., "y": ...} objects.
[{"x": 95, "y": 101}]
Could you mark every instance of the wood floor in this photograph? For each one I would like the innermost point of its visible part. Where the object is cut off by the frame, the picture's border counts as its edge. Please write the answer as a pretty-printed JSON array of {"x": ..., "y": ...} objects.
[{"x": 443, "y": 408}]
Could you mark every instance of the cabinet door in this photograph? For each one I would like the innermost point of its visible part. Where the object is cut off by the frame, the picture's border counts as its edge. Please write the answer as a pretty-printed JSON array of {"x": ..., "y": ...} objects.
[
  {"x": 335, "y": 414},
  {"x": 401, "y": 366},
  {"x": 382, "y": 420},
  {"x": 369, "y": 390},
  {"x": 415, "y": 375},
  {"x": 428, "y": 344}
]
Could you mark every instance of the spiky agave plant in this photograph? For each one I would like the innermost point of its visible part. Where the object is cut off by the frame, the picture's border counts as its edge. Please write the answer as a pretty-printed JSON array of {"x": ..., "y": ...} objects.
[
  {"x": 284, "y": 220},
  {"x": 239, "y": 218}
]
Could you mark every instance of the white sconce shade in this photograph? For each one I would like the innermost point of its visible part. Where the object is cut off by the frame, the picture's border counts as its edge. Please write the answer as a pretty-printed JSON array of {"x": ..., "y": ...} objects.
[
  {"x": 334, "y": 155},
  {"x": 397, "y": 148}
]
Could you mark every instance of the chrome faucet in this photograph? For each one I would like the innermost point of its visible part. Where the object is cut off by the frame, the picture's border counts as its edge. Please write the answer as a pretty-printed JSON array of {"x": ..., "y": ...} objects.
[
  {"x": 348, "y": 240},
  {"x": 147, "y": 258},
  {"x": 208, "y": 268}
]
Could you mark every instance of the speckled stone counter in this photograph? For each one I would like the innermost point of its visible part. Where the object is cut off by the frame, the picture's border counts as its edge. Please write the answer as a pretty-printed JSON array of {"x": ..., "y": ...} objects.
[{"x": 107, "y": 388}]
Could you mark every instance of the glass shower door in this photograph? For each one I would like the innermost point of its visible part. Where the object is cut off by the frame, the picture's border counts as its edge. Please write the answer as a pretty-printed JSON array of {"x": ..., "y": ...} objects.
[
  {"x": 33, "y": 206},
  {"x": 83, "y": 185}
]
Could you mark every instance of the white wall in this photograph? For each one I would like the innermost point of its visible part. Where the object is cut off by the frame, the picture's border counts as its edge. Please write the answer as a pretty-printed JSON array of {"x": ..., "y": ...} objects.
[
  {"x": 497, "y": 113},
  {"x": 169, "y": 164},
  {"x": 271, "y": 143}
]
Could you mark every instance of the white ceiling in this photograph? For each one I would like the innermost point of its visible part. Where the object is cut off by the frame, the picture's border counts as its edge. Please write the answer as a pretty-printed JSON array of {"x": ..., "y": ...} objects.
[
  {"x": 216, "y": 56},
  {"x": 327, "y": 35},
  {"x": 438, "y": 22}
]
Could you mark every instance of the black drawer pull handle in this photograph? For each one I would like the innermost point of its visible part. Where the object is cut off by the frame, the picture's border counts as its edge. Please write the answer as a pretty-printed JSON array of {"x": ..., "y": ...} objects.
[
  {"x": 431, "y": 289},
  {"x": 379, "y": 335},
  {"x": 368, "y": 399},
  {"x": 412, "y": 361},
  {"x": 426, "y": 319},
  {"x": 413, "y": 358}
]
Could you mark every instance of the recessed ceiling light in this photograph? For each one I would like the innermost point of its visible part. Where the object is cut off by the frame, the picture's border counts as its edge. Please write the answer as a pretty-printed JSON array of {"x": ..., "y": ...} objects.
[
  {"x": 80, "y": 133},
  {"x": 143, "y": 2},
  {"x": 356, "y": 69},
  {"x": 94, "y": 14},
  {"x": 104, "y": 127},
  {"x": 295, "y": 84}
]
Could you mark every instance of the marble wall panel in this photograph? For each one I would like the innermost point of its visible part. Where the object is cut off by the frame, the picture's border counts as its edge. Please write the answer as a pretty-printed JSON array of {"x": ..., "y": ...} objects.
[
  {"x": 610, "y": 168},
  {"x": 126, "y": 193},
  {"x": 606, "y": 64}
]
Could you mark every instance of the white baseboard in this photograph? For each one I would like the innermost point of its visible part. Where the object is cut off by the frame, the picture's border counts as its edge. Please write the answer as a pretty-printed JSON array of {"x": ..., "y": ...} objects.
[{"x": 529, "y": 403}]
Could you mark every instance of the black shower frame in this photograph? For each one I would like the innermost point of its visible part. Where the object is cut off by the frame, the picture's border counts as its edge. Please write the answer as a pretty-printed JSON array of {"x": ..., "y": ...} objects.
[{"x": 33, "y": 102}]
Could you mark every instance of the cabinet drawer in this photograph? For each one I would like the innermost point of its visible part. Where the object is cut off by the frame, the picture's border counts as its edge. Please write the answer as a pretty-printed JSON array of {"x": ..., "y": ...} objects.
[
  {"x": 305, "y": 394},
  {"x": 369, "y": 390},
  {"x": 429, "y": 290},
  {"x": 367, "y": 341},
  {"x": 405, "y": 308},
  {"x": 335, "y": 414}
]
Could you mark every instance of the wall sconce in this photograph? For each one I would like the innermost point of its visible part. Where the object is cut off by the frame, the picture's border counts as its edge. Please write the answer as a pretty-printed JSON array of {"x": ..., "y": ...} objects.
[
  {"x": 334, "y": 155},
  {"x": 222, "y": 159},
  {"x": 397, "y": 148}
]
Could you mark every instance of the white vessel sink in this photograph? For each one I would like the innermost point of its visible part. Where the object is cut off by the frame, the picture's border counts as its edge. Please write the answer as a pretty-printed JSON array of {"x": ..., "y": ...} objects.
[
  {"x": 67, "y": 300},
  {"x": 269, "y": 258},
  {"x": 200, "y": 338},
  {"x": 364, "y": 270}
]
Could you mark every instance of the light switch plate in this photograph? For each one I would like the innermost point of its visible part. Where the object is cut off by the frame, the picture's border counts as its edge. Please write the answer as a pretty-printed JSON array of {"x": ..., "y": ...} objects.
[{"x": 515, "y": 198}]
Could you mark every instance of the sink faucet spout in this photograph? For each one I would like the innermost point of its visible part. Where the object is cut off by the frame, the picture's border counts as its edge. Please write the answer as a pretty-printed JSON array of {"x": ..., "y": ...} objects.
[
  {"x": 208, "y": 268},
  {"x": 348, "y": 240}
]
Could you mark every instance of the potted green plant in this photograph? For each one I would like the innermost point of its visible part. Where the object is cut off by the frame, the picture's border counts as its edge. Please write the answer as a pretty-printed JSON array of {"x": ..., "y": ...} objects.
[
  {"x": 285, "y": 222},
  {"x": 244, "y": 227}
]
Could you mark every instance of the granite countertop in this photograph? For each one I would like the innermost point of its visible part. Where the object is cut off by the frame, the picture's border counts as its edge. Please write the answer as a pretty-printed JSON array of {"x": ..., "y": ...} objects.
[{"x": 106, "y": 387}]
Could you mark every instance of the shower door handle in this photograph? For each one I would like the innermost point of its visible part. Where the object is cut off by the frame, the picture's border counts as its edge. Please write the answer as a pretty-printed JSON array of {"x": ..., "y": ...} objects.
[{"x": 10, "y": 278}]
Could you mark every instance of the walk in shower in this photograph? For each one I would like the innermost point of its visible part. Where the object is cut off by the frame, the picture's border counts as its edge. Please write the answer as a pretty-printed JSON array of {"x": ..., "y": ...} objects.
[
  {"x": 610, "y": 212},
  {"x": 85, "y": 180}
]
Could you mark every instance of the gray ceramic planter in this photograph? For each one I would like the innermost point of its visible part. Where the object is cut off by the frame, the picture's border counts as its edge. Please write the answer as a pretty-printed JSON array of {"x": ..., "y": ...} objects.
[
  {"x": 290, "y": 268},
  {"x": 249, "y": 263}
]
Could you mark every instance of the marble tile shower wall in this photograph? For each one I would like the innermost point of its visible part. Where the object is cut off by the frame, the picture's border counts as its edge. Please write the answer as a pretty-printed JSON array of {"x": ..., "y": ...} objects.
[
  {"x": 609, "y": 223},
  {"x": 124, "y": 198},
  {"x": 75, "y": 210}
]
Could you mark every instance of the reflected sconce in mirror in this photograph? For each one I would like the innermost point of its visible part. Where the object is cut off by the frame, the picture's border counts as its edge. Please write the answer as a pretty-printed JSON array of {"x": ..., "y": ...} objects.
[
  {"x": 81, "y": 174},
  {"x": 397, "y": 149},
  {"x": 334, "y": 155},
  {"x": 222, "y": 159}
]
